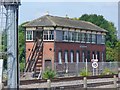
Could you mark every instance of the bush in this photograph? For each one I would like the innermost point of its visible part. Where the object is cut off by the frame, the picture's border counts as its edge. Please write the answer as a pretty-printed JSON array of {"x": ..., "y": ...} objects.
[
  {"x": 83, "y": 73},
  {"x": 22, "y": 67},
  {"x": 107, "y": 71},
  {"x": 48, "y": 74}
]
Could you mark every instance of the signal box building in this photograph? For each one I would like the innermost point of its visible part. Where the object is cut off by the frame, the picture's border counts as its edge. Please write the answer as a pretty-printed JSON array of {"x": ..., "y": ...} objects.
[{"x": 53, "y": 39}]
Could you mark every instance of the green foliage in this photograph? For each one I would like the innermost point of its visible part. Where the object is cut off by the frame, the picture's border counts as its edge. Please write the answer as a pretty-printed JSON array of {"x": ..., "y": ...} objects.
[
  {"x": 22, "y": 67},
  {"x": 107, "y": 71},
  {"x": 48, "y": 74},
  {"x": 83, "y": 73},
  {"x": 21, "y": 46},
  {"x": 22, "y": 43},
  {"x": 111, "y": 54},
  {"x": 117, "y": 50}
]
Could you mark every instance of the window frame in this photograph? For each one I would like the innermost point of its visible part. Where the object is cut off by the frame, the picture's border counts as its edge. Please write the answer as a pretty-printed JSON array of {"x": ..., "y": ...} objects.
[
  {"x": 83, "y": 56},
  {"x": 77, "y": 56},
  {"x": 65, "y": 36},
  {"x": 83, "y": 37},
  {"x": 102, "y": 39},
  {"x": 88, "y": 38},
  {"x": 29, "y": 35},
  {"x": 93, "y": 39},
  {"x": 66, "y": 56},
  {"x": 50, "y": 35},
  {"x": 60, "y": 57},
  {"x": 71, "y": 56}
]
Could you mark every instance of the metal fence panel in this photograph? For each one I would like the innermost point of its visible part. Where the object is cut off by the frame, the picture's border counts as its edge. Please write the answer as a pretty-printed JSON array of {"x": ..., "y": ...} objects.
[{"x": 74, "y": 69}]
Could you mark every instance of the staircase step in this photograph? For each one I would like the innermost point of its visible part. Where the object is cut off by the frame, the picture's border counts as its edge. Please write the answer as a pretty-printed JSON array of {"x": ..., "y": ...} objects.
[
  {"x": 39, "y": 61},
  {"x": 38, "y": 65}
]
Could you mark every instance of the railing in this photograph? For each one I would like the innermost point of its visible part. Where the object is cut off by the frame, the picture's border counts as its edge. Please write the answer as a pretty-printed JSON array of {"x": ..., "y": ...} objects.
[
  {"x": 74, "y": 69},
  {"x": 31, "y": 55},
  {"x": 37, "y": 55}
]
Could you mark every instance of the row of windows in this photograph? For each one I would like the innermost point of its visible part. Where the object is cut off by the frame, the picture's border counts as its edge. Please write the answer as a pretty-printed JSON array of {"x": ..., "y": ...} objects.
[
  {"x": 85, "y": 55},
  {"x": 83, "y": 37},
  {"x": 70, "y": 36}
]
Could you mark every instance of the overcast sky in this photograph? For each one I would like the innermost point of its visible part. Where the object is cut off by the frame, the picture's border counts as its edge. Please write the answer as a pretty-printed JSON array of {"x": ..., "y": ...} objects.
[{"x": 33, "y": 9}]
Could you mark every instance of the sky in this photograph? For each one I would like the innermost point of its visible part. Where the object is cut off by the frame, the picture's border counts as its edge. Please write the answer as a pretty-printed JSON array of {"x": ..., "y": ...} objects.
[{"x": 33, "y": 9}]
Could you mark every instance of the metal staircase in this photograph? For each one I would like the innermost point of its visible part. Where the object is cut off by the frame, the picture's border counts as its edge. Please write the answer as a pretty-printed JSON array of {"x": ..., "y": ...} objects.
[{"x": 34, "y": 63}]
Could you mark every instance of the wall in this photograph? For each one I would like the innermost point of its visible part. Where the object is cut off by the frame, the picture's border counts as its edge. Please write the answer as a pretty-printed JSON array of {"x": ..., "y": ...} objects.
[
  {"x": 48, "y": 52},
  {"x": 29, "y": 45},
  {"x": 62, "y": 46}
]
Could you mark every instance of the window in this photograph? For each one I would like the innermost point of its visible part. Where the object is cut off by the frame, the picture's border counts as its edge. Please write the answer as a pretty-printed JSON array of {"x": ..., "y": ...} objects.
[
  {"x": 98, "y": 55},
  {"x": 66, "y": 56},
  {"x": 71, "y": 36},
  {"x": 77, "y": 36},
  {"x": 88, "y": 38},
  {"x": 83, "y": 37},
  {"x": 102, "y": 56},
  {"x": 60, "y": 57},
  {"x": 93, "y": 55},
  {"x": 77, "y": 56},
  {"x": 103, "y": 39},
  {"x": 48, "y": 35},
  {"x": 51, "y": 35},
  {"x": 93, "y": 38},
  {"x": 45, "y": 35},
  {"x": 65, "y": 35},
  {"x": 88, "y": 56},
  {"x": 83, "y": 56},
  {"x": 29, "y": 35},
  {"x": 72, "y": 56}
]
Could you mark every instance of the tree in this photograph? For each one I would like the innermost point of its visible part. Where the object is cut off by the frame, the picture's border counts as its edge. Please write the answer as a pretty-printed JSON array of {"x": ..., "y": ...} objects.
[{"x": 22, "y": 46}]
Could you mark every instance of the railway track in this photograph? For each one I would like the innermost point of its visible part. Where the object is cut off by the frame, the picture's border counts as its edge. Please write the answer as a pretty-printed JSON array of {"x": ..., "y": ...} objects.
[
  {"x": 35, "y": 83},
  {"x": 26, "y": 82}
]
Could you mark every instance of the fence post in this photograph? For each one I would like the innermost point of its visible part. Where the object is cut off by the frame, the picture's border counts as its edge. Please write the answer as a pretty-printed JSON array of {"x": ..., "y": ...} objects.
[
  {"x": 76, "y": 69},
  {"x": 48, "y": 84},
  {"x": 115, "y": 81},
  {"x": 85, "y": 82},
  {"x": 1, "y": 86}
]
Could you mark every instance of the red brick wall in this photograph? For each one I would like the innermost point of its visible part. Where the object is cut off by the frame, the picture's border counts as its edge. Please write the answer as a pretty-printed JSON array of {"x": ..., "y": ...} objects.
[
  {"x": 48, "y": 52},
  {"x": 29, "y": 46},
  {"x": 76, "y": 46}
]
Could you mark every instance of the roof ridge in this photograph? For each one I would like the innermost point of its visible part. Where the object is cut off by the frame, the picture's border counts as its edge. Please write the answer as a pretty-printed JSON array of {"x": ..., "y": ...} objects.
[
  {"x": 51, "y": 20},
  {"x": 96, "y": 26}
]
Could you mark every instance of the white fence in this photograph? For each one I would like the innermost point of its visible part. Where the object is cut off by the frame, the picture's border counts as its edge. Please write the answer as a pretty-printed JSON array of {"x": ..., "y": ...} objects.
[{"x": 74, "y": 69}]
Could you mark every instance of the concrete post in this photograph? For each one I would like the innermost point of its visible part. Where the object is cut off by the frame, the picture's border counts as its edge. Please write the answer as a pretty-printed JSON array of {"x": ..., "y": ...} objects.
[
  {"x": 119, "y": 73},
  {"x": 48, "y": 84},
  {"x": 115, "y": 81},
  {"x": 85, "y": 82},
  {"x": 1, "y": 86}
]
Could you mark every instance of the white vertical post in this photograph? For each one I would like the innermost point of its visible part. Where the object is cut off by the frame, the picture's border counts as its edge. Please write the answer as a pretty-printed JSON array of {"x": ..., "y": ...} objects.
[
  {"x": 93, "y": 68},
  {"x": 1, "y": 72},
  {"x": 48, "y": 84},
  {"x": 97, "y": 67},
  {"x": 93, "y": 56},
  {"x": 96, "y": 56},
  {"x": 86, "y": 66},
  {"x": 115, "y": 81},
  {"x": 85, "y": 82}
]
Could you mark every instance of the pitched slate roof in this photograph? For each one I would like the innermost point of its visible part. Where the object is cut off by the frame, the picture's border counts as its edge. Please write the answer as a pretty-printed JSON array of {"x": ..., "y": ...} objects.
[{"x": 49, "y": 20}]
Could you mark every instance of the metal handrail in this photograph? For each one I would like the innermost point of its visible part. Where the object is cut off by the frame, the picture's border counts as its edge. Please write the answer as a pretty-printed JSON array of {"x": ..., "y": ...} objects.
[
  {"x": 36, "y": 58},
  {"x": 31, "y": 55}
]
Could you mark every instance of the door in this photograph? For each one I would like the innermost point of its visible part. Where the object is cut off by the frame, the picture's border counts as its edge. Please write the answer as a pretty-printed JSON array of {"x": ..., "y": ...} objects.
[{"x": 48, "y": 64}]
